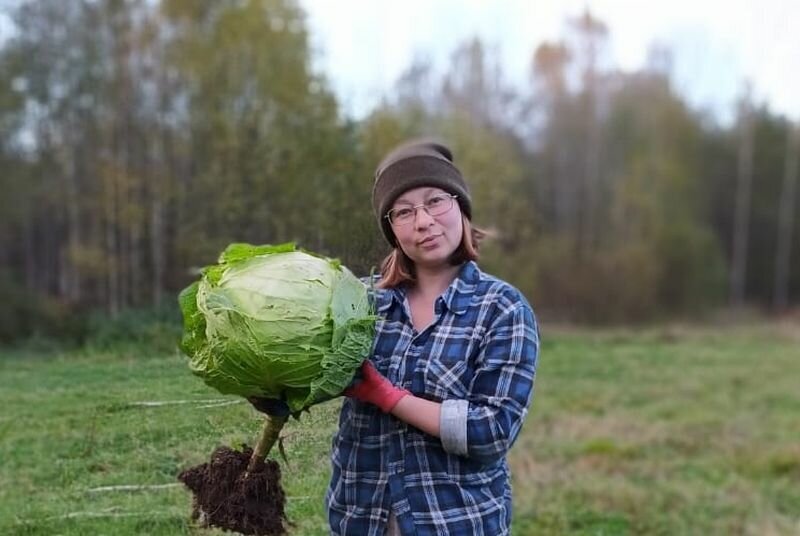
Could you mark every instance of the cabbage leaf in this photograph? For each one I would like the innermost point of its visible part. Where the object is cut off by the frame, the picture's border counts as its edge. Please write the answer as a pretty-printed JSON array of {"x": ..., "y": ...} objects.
[{"x": 277, "y": 322}]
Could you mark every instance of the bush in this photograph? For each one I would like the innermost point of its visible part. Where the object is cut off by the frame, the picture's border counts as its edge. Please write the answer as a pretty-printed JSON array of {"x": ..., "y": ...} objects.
[
  {"x": 694, "y": 275},
  {"x": 155, "y": 328},
  {"x": 611, "y": 285},
  {"x": 31, "y": 319},
  {"x": 25, "y": 314}
]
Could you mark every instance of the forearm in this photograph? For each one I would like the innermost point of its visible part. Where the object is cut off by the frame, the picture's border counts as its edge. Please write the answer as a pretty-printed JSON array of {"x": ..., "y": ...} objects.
[
  {"x": 419, "y": 413},
  {"x": 494, "y": 428}
]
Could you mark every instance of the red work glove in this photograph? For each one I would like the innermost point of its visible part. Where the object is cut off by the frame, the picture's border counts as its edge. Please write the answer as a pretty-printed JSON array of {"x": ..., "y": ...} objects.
[{"x": 376, "y": 389}]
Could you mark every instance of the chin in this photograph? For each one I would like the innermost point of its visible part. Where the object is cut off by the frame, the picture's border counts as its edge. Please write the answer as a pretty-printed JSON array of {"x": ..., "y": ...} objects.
[{"x": 433, "y": 258}]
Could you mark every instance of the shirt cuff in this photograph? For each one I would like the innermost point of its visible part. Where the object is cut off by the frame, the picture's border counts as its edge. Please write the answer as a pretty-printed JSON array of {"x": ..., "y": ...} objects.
[{"x": 453, "y": 426}]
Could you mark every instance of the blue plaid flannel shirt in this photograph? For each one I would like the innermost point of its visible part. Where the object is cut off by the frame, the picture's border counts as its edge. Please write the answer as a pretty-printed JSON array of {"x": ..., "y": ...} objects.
[{"x": 478, "y": 358}]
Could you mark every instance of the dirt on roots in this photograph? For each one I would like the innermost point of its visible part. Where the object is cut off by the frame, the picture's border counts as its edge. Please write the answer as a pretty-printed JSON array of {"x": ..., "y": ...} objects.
[{"x": 226, "y": 497}]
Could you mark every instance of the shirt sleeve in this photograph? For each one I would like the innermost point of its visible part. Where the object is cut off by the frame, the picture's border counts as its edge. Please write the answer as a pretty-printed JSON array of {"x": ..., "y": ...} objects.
[{"x": 484, "y": 426}]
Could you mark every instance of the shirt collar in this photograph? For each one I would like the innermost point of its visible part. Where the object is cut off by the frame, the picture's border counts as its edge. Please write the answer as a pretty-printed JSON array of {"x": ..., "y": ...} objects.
[
  {"x": 386, "y": 297},
  {"x": 456, "y": 298},
  {"x": 458, "y": 294}
]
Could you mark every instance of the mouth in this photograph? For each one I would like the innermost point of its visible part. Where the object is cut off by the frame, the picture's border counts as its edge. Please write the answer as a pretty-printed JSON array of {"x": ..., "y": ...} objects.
[{"x": 427, "y": 240}]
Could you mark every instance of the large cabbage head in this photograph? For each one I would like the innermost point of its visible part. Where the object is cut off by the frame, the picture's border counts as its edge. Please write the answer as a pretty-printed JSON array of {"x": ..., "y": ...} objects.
[{"x": 276, "y": 322}]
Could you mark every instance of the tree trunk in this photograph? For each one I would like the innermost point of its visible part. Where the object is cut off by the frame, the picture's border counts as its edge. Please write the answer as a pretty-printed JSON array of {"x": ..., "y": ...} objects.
[
  {"x": 591, "y": 171},
  {"x": 162, "y": 159},
  {"x": 111, "y": 243},
  {"x": 73, "y": 233},
  {"x": 788, "y": 201},
  {"x": 30, "y": 250},
  {"x": 157, "y": 248},
  {"x": 742, "y": 209}
]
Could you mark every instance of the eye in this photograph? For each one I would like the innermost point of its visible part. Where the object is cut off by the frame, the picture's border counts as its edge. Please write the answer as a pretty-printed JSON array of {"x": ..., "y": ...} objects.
[
  {"x": 436, "y": 201},
  {"x": 400, "y": 213}
]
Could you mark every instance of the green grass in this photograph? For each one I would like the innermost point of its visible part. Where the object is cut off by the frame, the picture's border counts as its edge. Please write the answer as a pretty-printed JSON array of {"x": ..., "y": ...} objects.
[{"x": 655, "y": 432}]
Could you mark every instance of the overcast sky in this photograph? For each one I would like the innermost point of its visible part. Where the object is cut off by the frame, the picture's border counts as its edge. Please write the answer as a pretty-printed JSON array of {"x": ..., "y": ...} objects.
[{"x": 363, "y": 45}]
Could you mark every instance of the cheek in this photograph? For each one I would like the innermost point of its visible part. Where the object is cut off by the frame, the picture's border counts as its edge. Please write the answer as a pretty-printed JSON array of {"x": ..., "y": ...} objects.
[
  {"x": 456, "y": 227},
  {"x": 405, "y": 237},
  {"x": 457, "y": 237}
]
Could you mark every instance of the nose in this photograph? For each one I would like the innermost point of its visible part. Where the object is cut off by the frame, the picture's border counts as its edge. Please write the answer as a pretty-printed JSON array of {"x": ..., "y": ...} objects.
[{"x": 422, "y": 219}]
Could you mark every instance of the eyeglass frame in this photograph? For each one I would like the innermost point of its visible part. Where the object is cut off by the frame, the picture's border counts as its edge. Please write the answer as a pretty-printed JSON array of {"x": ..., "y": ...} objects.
[{"x": 415, "y": 208}]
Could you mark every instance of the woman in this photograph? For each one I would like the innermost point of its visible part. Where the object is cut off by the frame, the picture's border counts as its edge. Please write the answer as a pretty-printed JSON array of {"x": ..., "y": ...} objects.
[{"x": 423, "y": 437}]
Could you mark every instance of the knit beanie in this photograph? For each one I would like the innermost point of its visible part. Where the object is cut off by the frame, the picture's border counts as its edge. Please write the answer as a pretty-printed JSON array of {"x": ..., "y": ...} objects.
[{"x": 413, "y": 164}]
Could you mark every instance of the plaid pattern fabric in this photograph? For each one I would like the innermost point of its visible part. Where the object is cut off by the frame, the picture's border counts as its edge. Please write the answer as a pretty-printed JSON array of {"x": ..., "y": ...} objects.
[{"x": 480, "y": 352}]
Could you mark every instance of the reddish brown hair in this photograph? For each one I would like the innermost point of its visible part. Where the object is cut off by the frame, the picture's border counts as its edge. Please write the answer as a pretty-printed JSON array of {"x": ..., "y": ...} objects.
[{"x": 398, "y": 269}]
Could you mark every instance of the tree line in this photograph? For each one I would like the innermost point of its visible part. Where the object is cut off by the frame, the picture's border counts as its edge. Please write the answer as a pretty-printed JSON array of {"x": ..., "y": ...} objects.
[{"x": 139, "y": 138}]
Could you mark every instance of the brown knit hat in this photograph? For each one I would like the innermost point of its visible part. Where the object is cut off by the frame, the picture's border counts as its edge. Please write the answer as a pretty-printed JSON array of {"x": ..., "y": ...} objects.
[{"x": 413, "y": 164}]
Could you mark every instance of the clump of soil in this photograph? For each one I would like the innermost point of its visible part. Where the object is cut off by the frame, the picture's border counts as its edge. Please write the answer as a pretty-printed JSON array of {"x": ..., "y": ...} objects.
[{"x": 227, "y": 497}]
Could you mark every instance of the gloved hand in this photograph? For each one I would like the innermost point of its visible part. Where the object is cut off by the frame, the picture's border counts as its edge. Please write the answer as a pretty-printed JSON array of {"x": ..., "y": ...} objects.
[
  {"x": 375, "y": 389},
  {"x": 270, "y": 406}
]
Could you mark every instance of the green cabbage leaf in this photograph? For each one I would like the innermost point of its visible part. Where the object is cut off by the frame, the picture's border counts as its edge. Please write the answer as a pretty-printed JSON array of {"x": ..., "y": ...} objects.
[{"x": 277, "y": 322}]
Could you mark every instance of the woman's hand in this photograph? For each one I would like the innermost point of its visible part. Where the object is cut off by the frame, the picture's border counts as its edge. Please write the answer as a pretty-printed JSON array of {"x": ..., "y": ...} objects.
[{"x": 375, "y": 389}]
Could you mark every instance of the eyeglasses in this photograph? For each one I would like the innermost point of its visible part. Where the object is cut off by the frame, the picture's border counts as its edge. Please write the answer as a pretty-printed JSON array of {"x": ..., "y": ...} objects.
[{"x": 434, "y": 206}]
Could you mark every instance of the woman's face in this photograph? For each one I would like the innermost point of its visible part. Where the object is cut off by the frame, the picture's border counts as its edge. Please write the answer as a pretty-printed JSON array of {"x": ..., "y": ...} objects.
[{"x": 427, "y": 240}]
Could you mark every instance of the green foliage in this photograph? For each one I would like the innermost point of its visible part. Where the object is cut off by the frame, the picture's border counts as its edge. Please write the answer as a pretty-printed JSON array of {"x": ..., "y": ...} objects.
[
  {"x": 26, "y": 314},
  {"x": 139, "y": 138},
  {"x": 693, "y": 269},
  {"x": 265, "y": 130},
  {"x": 158, "y": 328}
]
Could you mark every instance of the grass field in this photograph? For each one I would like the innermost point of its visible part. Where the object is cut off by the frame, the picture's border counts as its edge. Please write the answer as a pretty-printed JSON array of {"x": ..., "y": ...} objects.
[{"x": 664, "y": 431}]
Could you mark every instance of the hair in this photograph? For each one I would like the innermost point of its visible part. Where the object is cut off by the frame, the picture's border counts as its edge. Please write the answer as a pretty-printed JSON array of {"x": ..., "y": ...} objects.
[{"x": 397, "y": 269}]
